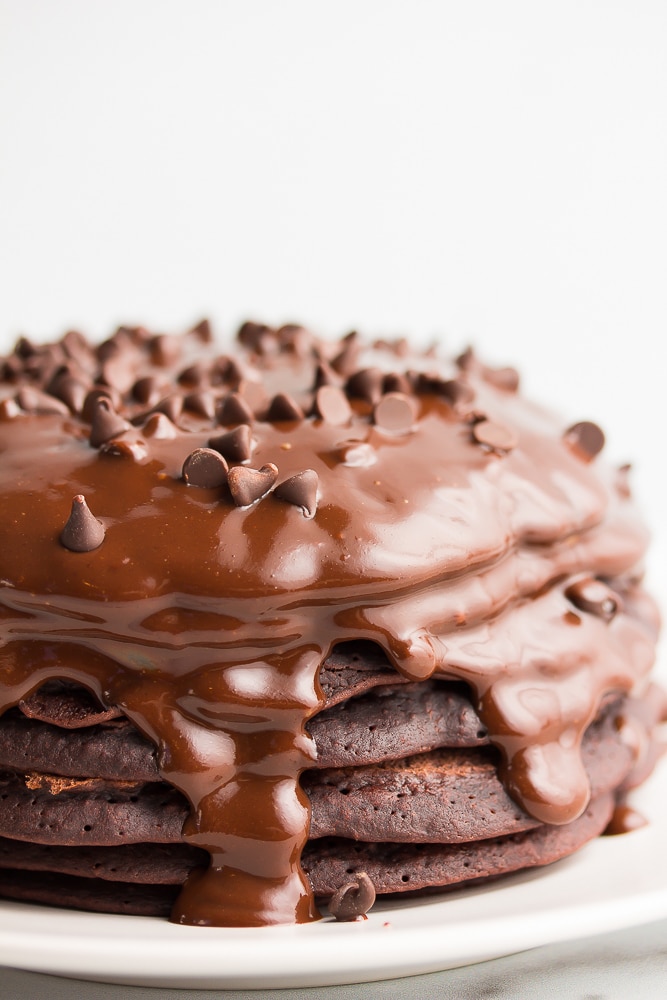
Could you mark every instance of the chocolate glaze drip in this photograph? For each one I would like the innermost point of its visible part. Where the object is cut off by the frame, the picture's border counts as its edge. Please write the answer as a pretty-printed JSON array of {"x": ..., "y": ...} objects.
[{"x": 206, "y": 614}]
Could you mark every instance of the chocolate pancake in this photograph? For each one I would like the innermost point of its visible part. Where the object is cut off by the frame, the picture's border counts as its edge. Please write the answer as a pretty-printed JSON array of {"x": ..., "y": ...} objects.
[{"x": 302, "y": 608}]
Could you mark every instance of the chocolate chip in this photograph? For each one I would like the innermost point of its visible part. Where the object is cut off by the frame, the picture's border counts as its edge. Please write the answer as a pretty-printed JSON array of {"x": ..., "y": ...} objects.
[
  {"x": 34, "y": 401},
  {"x": 172, "y": 407},
  {"x": 332, "y": 405},
  {"x": 165, "y": 349},
  {"x": 235, "y": 410},
  {"x": 203, "y": 331},
  {"x": 494, "y": 436},
  {"x": 206, "y": 468},
  {"x": 395, "y": 382},
  {"x": 300, "y": 490},
  {"x": 193, "y": 375},
  {"x": 132, "y": 447},
  {"x": 622, "y": 482},
  {"x": 106, "y": 423},
  {"x": 586, "y": 439},
  {"x": 593, "y": 596},
  {"x": 283, "y": 407},
  {"x": 158, "y": 425},
  {"x": 365, "y": 384},
  {"x": 346, "y": 360},
  {"x": 118, "y": 373},
  {"x": 69, "y": 389},
  {"x": 324, "y": 375},
  {"x": 502, "y": 378},
  {"x": 353, "y": 900},
  {"x": 235, "y": 445},
  {"x": 83, "y": 532},
  {"x": 147, "y": 390},
  {"x": 248, "y": 485},
  {"x": 201, "y": 402},
  {"x": 395, "y": 412},
  {"x": 458, "y": 392},
  {"x": 9, "y": 409},
  {"x": 91, "y": 400}
]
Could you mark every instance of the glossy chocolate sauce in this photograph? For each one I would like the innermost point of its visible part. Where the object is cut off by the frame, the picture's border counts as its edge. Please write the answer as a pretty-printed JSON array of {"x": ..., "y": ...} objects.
[{"x": 351, "y": 494}]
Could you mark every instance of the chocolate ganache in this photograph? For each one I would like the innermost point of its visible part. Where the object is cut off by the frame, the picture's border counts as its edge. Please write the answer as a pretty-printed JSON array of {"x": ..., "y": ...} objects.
[{"x": 189, "y": 534}]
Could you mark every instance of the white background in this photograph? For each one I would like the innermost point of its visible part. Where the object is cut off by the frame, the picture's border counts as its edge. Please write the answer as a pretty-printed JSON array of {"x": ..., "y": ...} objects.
[{"x": 486, "y": 171}]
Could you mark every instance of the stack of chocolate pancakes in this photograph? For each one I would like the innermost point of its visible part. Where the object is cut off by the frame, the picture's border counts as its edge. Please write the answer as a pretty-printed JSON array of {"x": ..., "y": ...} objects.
[{"x": 274, "y": 619}]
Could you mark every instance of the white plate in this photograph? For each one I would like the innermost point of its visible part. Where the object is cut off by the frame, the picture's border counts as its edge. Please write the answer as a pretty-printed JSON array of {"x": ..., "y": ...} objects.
[{"x": 612, "y": 883}]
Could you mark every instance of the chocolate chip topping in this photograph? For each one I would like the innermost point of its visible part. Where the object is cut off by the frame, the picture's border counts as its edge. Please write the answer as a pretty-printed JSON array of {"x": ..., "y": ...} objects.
[
  {"x": 34, "y": 401},
  {"x": 593, "y": 596},
  {"x": 332, "y": 405},
  {"x": 106, "y": 423},
  {"x": 494, "y": 436},
  {"x": 82, "y": 532},
  {"x": 586, "y": 439},
  {"x": 201, "y": 402},
  {"x": 395, "y": 412},
  {"x": 235, "y": 445},
  {"x": 502, "y": 378},
  {"x": 283, "y": 407},
  {"x": 235, "y": 410},
  {"x": 300, "y": 490},
  {"x": 172, "y": 407},
  {"x": 158, "y": 425},
  {"x": 365, "y": 384},
  {"x": 248, "y": 485},
  {"x": 353, "y": 900},
  {"x": 206, "y": 468},
  {"x": 147, "y": 390}
]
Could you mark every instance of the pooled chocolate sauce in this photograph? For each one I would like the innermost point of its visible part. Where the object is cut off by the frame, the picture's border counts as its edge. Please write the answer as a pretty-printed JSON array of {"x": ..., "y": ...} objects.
[{"x": 419, "y": 504}]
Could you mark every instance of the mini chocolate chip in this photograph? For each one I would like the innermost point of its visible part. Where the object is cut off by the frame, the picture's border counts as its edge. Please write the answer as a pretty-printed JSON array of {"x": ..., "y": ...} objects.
[
  {"x": 172, "y": 407},
  {"x": 132, "y": 447},
  {"x": 118, "y": 373},
  {"x": 395, "y": 412},
  {"x": 248, "y": 485},
  {"x": 300, "y": 490},
  {"x": 203, "y": 331},
  {"x": 82, "y": 532},
  {"x": 9, "y": 409},
  {"x": 332, "y": 405},
  {"x": 586, "y": 439},
  {"x": 593, "y": 596},
  {"x": 235, "y": 410},
  {"x": 165, "y": 349},
  {"x": 35, "y": 401},
  {"x": 106, "y": 423},
  {"x": 147, "y": 390},
  {"x": 623, "y": 480},
  {"x": 467, "y": 360},
  {"x": 494, "y": 436},
  {"x": 193, "y": 375},
  {"x": 345, "y": 361},
  {"x": 96, "y": 393},
  {"x": 324, "y": 375},
  {"x": 353, "y": 900},
  {"x": 158, "y": 425},
  {"x": 502, "y": 378},
  {"x": 206, "y": 468},
  {"x": 458, "y": 392},
  {"x": 201, "y": 402},
  {"x": 69, "y": 389},
  {"x": 365, "y": 384},
  {"x": 235, "y": 445},
  {"x": 283, "y": 407},
  {"x": 395, "y": 382}
]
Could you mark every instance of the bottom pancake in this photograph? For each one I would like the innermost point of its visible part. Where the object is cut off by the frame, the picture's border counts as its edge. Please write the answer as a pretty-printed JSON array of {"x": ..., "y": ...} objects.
[{"x": 44, "y": 875}]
